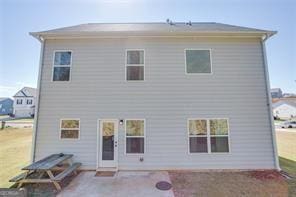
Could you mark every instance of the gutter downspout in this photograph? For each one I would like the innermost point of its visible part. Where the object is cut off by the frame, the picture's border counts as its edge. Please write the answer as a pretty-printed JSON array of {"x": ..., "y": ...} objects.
[
  {"x": 269, "y": 103},
  {"x": 35, "y": 127}
]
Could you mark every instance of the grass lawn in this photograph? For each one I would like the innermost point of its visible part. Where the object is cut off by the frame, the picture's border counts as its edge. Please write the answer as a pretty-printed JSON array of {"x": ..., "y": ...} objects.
[
  {"x": 4, "y": 116},
  {"x": 22, "y": 120},
  {"x": 286, "y": 144},
  {"x": 289, "y": 166},
  {"x": 15, "y": 151}
]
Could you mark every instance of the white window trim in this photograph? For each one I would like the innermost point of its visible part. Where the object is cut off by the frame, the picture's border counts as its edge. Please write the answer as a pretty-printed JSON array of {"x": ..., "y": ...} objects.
[
  {"x": 69, "y": 139},
  {"x": 198, "y": 49},
  {"x": 126, "y": 65},
  {"x": 208, "y": 136},
  {"x": 70, "y": 66},
  {"x": 125, "y": 136}
]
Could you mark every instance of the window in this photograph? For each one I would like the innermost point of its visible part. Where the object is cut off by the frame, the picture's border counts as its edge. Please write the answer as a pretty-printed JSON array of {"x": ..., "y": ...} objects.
[
  {"x": 208, "y": 135},
  {"x": 219, "y": 135},
  {"x": 70, "y": 128},
  {"x": 198, "y": 136},
  {"x": 19, "y": 101},
  {"x": 135, "y": 136},
  {"x": 29, "y": 101},
  {"x": 198, "y": 61},
  {"x": 135, "y": 65},
  {"x": 62, "y": 66}
]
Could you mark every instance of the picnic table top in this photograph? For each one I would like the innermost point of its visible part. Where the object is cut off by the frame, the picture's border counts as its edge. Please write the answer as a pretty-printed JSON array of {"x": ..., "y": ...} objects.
[{"x": 48, "y": 162}]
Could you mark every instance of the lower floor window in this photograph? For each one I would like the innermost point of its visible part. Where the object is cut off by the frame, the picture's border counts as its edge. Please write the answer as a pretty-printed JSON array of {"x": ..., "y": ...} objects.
[
  {"x": 135, "y": 136},
  {"x": 70, "y": 128},
  {"x": 208, "y": 135}
]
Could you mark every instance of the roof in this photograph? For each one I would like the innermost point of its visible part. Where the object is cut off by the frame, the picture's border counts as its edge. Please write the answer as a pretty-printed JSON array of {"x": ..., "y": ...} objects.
[
  {"x": 153, "y": 29},
  {"x": 275, "y": 89},
  {"x": 281, "y": 102},
  {"x": 26, "y": 92},
  {"x": 4, "y": 98}
]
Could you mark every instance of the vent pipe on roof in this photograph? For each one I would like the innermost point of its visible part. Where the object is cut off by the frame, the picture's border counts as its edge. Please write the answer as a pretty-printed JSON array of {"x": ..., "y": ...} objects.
[
  {"x": 189, "y": 23},
  {"x": 170, "y": 22}
]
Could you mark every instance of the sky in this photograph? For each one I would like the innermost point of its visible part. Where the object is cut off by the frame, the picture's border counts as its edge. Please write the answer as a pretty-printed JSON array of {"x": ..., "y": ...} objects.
[{"x": 19, "y": 52}]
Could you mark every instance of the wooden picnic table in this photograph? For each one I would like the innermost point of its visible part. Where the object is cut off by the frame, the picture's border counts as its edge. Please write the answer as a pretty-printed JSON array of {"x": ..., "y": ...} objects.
[{"x": 48, "y": 165}]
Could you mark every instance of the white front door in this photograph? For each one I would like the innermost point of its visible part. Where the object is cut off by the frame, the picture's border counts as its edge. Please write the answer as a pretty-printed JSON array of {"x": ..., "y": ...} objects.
[{"x": 108, "y": 147}]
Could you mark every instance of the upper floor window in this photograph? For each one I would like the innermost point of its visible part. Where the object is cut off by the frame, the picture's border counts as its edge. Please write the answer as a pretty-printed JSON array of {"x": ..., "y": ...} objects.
[
  {"x": 198, "y": 61},
  {"x": 62, "y": 66},
  {"x": 19, "y": 101},
  {"x": 135, "y": 65},
  {"x": 29, "y": 101}
]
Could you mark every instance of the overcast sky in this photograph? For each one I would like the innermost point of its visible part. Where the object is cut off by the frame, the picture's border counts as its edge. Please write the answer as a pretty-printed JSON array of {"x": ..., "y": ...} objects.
[{"x": 19, "y": 52}]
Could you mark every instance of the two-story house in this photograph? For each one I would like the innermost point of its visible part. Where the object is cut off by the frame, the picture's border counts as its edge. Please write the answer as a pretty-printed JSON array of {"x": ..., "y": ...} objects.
[
  {"x": 24, "y": 102},
  {"x": 147, "y": 96}
]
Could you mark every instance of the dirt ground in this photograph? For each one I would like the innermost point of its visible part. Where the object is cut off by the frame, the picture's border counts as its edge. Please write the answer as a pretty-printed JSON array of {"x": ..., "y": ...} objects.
[{"x": 228, "y": 184}]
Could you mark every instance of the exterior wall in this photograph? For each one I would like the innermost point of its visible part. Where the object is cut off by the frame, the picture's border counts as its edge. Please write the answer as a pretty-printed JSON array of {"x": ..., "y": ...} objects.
[
  {"x": 166, "y": 99},
  {"x": 24, "y": 109},
  {"x": 6, "y": 106},
  {"x": 284, "y": 111}
]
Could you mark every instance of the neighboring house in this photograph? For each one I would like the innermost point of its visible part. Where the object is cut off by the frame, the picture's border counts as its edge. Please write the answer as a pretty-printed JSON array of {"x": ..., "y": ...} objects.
[
  {"x": 152, "y": 96},
  {"x": 24, "y": 102},
  {"x": 276, "y": 93},
  {"x": 284, "y": 109},
  {"x": 6, "y": 106}
]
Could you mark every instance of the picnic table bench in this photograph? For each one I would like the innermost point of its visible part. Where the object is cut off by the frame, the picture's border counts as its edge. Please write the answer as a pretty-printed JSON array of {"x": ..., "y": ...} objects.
[{"x": 48, "y": 165}]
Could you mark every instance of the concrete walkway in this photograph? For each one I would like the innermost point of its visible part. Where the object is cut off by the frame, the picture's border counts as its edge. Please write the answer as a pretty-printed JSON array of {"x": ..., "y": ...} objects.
[{"x": 123, "y": 184}]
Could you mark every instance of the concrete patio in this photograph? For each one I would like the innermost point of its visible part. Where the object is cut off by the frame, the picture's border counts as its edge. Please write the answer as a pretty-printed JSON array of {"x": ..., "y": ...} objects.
[{"x": 124, "y": 183}]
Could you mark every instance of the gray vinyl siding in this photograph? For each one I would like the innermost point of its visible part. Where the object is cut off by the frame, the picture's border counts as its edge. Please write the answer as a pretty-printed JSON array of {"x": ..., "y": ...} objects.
[{"x": 166, "y": 99}]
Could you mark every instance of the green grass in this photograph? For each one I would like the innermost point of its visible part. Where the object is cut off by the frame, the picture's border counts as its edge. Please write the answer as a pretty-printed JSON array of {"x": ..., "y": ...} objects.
[
  {"x": 15, "y": 150},
  {"x": 289, "y": 166}
]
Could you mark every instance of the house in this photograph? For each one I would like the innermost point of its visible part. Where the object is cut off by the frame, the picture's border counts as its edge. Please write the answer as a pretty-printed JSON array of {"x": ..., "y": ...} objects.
[
  {"x": 284, "y": 109},
  {"x": 6, "y": 106},
  {"x": 276, "y": 93},
  {"x": 152, "y": 96},
  {"x": 24, "y": 102}
]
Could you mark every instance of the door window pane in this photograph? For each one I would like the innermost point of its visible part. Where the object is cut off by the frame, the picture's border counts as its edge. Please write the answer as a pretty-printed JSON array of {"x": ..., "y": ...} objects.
[
  {"x": 108, "y": 148},
  {"x": 108, "y": 140}
]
